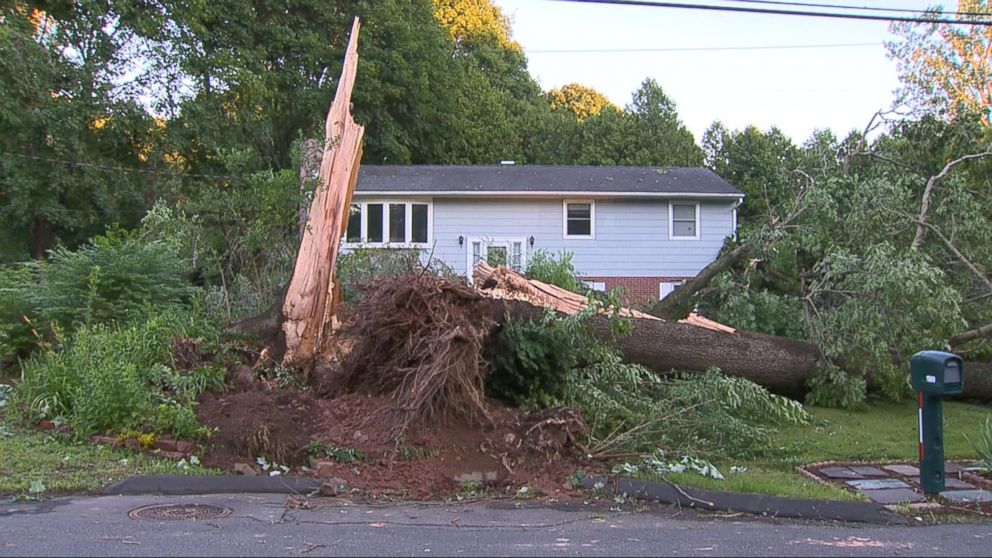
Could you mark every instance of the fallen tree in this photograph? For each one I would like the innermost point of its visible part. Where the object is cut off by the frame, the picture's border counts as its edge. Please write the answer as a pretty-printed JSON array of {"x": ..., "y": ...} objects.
[{"x": 780, "y": 364}]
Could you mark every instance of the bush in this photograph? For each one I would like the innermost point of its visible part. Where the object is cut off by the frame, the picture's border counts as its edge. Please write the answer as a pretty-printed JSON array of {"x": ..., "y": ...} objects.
[
  {"x": 560, "y": 271},
  {"x": 983, "y": 447},
  {"x": 111, "y": 280},
  {"x": 18, "y": 336},
  {"x": 116, "y": 379},
  {"x": 832, "y": 387}
]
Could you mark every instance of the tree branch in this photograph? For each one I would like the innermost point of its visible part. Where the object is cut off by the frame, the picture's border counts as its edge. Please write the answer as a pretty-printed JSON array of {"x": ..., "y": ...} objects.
[
  {"x": 957, "y": 253},
  {"x": 964, "y": 337},
  {"x": 931, "y": 184}
]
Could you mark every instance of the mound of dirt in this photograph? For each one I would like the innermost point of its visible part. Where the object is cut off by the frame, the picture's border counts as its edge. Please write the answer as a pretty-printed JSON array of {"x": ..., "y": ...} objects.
[
  {"x": 277, "y": 425},
  {"x": 538, "y": 450}
]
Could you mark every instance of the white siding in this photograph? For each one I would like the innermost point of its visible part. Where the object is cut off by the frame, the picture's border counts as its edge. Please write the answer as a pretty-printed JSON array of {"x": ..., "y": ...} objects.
[{"x": 631, "y": 236}]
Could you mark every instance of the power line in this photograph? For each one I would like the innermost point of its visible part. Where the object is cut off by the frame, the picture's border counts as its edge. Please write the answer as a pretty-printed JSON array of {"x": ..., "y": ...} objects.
[
  {"x": 698, "y": 49},
  {"x": 863, "y": 8},
  {"x": 806, "y": 13}
]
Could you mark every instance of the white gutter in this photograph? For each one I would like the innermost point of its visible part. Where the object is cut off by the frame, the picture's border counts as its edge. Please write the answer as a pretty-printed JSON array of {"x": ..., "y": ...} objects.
[{"x": 547, "y": 194}]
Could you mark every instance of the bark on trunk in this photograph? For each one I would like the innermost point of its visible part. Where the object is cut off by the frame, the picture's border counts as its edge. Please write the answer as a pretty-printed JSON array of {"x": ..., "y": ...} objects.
[
  {"x": 678, "y": 304},
  {"x": 41, "y": 238},
  {"x": 971, "y": 335},
  {"x": 780, "y": 364}
]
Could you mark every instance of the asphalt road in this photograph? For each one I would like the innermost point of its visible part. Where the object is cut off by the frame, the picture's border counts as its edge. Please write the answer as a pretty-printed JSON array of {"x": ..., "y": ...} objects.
[{"x": 263, "y": 525}]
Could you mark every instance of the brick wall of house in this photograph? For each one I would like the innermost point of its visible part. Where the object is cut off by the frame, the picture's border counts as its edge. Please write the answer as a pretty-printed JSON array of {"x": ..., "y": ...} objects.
[{"x": 640, "y": 290}]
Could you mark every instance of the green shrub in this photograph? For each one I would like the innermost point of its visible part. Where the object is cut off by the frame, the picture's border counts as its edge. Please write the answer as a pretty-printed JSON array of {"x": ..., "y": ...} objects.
[
  {"x": 983, "y": 447},
  {"x": 833, "y": 387},
  {"x": 117, "y": 378},
  {"x": 18, "y": 336},
  {"x": 112, "y": 279},
  {"x": 555, "y": 270}
]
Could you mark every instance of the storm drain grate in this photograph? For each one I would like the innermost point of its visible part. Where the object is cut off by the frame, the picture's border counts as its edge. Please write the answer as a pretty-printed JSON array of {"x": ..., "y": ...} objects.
[{"x": 179, "y": 512}]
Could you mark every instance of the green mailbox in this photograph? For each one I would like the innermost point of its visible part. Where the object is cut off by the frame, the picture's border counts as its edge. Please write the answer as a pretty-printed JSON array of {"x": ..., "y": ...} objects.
[{"x": 933, "y": 375}]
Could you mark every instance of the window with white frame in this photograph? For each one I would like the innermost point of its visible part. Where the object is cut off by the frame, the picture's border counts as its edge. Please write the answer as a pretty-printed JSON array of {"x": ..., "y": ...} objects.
[
  {"x": 579, "y": 218},
  {"x": 683, "y": 220},
  {"x": 389, "y": 223}
]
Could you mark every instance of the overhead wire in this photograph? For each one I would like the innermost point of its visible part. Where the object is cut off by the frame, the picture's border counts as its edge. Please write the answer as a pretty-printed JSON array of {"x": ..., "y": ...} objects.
[
  {"x": 697, "y": 49},
  {"x": 122, "y": 169},
  {"x": 861, "y": 8},
  {"x": 803, "y": 13}
]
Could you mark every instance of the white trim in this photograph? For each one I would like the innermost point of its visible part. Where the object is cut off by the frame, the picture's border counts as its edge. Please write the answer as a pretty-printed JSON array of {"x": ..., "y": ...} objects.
[
  {"x": 735, "y": 223},
  {"x": 592, "y": 220},
  {"x": 547, "y": 194},
  {"x": 408, "y": 224},
  {"x": 671, "y": 220}
]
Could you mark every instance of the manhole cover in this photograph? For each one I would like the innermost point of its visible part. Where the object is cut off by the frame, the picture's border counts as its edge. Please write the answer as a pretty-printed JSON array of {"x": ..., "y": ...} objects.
[{"x": 179, "y": 512}]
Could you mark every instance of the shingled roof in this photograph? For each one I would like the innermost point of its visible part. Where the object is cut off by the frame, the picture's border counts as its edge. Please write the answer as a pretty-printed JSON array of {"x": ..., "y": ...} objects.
[{"x": 534, "y": 180}]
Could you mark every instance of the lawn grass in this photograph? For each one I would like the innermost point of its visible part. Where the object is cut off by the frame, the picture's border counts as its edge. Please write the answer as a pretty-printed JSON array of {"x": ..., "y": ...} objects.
[
  {"x": 65, "y": 466},
  {"x": 884, "y": 431}
]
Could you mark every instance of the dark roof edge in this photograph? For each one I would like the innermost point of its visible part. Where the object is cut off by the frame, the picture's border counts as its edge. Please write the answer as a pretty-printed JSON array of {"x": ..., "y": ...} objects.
[{"x": 548, "y": 194}]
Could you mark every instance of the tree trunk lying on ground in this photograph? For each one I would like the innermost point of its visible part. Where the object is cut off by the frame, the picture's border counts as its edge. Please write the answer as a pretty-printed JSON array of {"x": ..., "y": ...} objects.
[{"x": 780, "y": 364}]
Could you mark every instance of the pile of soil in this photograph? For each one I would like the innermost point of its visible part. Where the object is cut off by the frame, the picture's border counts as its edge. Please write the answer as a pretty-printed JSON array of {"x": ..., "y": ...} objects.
[
  {"x": 276, "y": 424},
  {"x": 537, "y": 450}
]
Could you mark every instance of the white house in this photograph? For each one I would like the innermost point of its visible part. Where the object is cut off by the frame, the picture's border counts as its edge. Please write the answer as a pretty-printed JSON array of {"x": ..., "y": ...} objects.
[{"x": 647, "y": 229}]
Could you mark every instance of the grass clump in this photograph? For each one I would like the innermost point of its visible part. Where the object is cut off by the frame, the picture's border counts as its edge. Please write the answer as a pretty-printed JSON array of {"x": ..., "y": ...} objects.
[{"x": 59, "y": 465}]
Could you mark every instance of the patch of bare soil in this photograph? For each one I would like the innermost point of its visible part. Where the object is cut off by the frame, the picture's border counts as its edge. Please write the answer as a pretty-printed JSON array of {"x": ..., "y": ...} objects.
[
  {"x": 275, "y": 424},
  {"x": 537, "y": 450}
]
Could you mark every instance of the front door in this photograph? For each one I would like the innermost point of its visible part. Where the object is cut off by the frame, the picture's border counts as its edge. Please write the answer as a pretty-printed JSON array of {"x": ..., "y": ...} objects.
[{"x": 496, "y": 251}]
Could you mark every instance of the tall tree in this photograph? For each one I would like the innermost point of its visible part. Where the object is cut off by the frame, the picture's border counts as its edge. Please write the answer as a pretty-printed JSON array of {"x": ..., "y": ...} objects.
[
  {"x": 658, "y": 136},
  {"x": 947, "y": 67},
  {"x": 67, "y": 126},
  {"x": 581, "y": 100}
]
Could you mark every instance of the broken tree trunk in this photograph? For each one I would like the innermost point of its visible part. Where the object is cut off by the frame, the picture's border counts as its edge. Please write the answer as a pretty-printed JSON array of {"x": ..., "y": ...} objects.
[
  {"x": 310, "y": 297},
  {"x": 780, "y": 364},
  {"x": 678, "y": 304}
]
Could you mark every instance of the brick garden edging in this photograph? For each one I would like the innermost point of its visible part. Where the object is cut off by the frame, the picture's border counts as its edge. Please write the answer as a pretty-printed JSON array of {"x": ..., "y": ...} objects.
[{"x": 161, "y": 447}]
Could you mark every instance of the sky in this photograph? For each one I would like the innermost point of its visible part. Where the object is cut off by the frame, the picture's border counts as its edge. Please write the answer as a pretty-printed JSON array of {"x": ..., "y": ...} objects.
[{"x": 796, "y": 90}]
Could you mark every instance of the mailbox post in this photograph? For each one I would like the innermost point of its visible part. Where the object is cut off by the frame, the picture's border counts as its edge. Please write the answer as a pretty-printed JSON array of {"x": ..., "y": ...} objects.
[{"x": 933, "y": 375}]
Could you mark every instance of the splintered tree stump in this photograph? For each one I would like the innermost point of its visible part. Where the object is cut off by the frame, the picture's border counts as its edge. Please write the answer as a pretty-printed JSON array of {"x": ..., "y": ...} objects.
[{"x": 310, "y": 298}]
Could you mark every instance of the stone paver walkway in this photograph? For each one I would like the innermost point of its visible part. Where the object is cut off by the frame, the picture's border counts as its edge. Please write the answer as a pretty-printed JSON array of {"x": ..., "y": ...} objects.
[{"x": 899, "y": 483}]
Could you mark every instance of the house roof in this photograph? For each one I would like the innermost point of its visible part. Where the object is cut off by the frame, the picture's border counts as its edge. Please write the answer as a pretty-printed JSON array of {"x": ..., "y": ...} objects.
[{"x": 542, "y": 180}]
